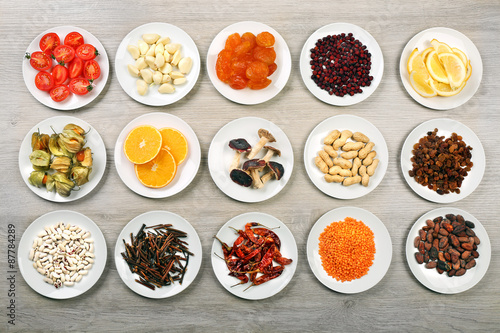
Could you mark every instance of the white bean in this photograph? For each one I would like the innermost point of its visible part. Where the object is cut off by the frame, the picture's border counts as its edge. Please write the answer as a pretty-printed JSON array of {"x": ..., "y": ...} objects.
[{"x": 68, "y": 283}]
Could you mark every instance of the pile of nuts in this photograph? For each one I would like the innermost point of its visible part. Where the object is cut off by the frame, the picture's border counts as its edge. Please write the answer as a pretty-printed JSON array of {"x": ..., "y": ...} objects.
[
  {"x": 441, "y": 164},
  {"x": 158, "y": 61},
  {"x": 448, "y": 244},
  {"x": 355, "y": 164},
  {"x": 63, "y": 254}
]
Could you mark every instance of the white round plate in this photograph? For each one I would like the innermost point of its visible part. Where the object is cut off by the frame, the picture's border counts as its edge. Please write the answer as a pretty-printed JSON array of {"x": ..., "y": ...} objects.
[
  {"x": 453, "y": 38},
  {"x": 248, "y": 96},
  {"x": 314, "y": 144},
  {"x": 149, "y": 219},
  {"x": 73, "y": 101},
  {"x": 220, "y": 156},
  {"x": 377, "y": 67},
  {"x": 92, "y": 140},
  {"x": 383, "y": 248},
  {"x": 445, "y": 128},
  {"x": 153, "y": 97},
  {"x": 35, "y": 279},
  {"x": 442, "y": 283},
  {"x": 186, "y": 171},
  {"x": 228, "y": 235}
]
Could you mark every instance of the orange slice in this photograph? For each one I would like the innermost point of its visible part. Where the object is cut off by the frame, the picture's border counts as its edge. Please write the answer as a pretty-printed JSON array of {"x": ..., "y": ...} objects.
[
  {"x": 142, "y": 144},
  {"x": 175, "y": 142},
  {"x": 158, "y": 172}
]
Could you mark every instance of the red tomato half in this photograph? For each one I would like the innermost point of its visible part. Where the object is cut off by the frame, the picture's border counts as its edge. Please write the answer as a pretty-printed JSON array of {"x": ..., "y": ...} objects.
[
  {"x": 91, "y": 70},
  {"x": 64, "y": 53},
  {"x": 80, "y": 86},
  {"x": 59, "y": 93},
  {"x": 39, "y": 61},
  {"x": 74, "y": 39},
  {"x": 44, "y": 81},
  {"x": 49, "y": 42},
  {"x": 59, "y": 74},
  {"x": 75, "y": 68},
  {"x": 86, "y": 52}
]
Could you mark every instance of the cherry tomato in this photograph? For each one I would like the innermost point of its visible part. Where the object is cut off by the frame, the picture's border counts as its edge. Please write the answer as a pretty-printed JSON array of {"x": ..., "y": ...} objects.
[
  {"x": 59, "y": 74},
  {"x": 64, "y": 53},
  {"x": 80, "y": 156},
  {"x": 86, "y": 52},
  {"x": 39, "y": 61},
  {"x": 49, "y": 42},
  {"x": 79, "y": 86},
  {"x": 75, "y": 68},
  {"x": 44, "y": 81},
  {"x": 59, "y": 93},
  {"x": 91, "y": 70},
  {"x": 74, "y": 39}
]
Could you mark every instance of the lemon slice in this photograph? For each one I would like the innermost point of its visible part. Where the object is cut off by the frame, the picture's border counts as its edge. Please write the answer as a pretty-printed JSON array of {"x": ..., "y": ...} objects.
[
  {"x": 435, "y": 68},
  {"x": 441, "y": 47},
  {"x": 455, "y": 69},
  {"x": 416, "y": 62},
  {"x": 419, "y": 82},
  {"x": 443, "y": 89},
  {"x": 426, "y": 52},
  {"x": 461, "y": 55}
]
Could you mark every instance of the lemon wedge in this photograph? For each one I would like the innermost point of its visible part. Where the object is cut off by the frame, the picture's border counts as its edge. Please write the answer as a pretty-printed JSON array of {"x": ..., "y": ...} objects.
[
  {"x": 454, "y": 67},
  {"x": 416, "y": 62},
  {"x": 443, "y": 89},
  {"x": 440, "y": 47},
  {"x": 435, "y": 68},
  {"x": 419, "y": 82}
]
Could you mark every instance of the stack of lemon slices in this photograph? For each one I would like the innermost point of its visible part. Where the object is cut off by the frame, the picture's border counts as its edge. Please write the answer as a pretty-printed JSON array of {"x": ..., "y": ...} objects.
[{"x": 439, "y": 70}]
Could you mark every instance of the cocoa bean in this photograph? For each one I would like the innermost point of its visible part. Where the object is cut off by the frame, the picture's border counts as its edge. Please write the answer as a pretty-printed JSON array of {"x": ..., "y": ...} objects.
[
  {"x": 469, "y": 224},
  {"x": 433, "y": 253},
  {"x": 435, "y": 243},
  {"x": 467, "y": 246},
  {"x": 460, "y": 219},
  {"x": 430, "y": 238},
  {"x": 460, "y": 272},
  {"x": 462, "y": 263},
  {"x": 426, "y": 257},
  {"x": 462, "y": 234},
  {"x": 421, "y": 248},
  {"x": 422, "y": 234},
  {"x": 454, "y": 252},
  {"x": 456, "y": 266},
  {"x": 443, "y": 265},
  {"x": 441, "y": 256},
  {"x": 451, "y": 272},
  {"x": 443, "y": 232},
  {"x": 447, "y": 256},
  {"x": 443, "y": 242},
  {"x": 458, "y": 229},
  {"x": 470, "y": 264},
  {"x": 470, "y": 232},
  {"x": 427, "y": 246},
  {"x": 477, "y": 240},
  {"x": 475, "y": 254},
  {"x": 420, "y": 257},
  {"x": 463, "y": 239},
  {"x": 431, "y": 264},
  {"x": 451, "y": 217},
  {"x": 439, "y": 270},
  {"x": 436, "y": 227},
  {"x": 438, "y": 219},
  {"x": 465, "y": 254},
  {"x": 426, "y": 228},
  {"x": 454, "y": 258},
  {"x": 430, "y": 223},
  {"x": 416, "y": 241}
]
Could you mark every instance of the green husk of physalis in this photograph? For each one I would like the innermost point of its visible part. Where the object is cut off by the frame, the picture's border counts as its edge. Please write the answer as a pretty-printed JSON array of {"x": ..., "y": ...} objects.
[
  {"x": 56, "y": 149},
  {"x": 49, "y": 183},
  {"x": 80, "y": 175},
  {"x": 40, "y": 141},
  {"x": 86, "y": 160},
  {"x": 40, "y": 159},
  {"x": 71, "y": 141},
  {"x": 63, "y": 184},
  {"x": 36, "y": 178},
  {"x": 75, "y": 128},
  {"x": 61, "y": 164}
]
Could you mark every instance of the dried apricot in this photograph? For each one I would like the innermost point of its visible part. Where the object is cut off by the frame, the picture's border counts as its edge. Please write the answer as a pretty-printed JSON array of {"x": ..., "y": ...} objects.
[
  {"x": 257, "y": 85},
  {"x": 272, "y": 68},
  {"x": 266, "y": 55},
  {"x": 223, "y": 65},
  {"x": 248, "y": 36},
  {"x": 232, "y": 41},
  {"x": 237, "y": 82},
  {"x": 242, "y": 48},
  {"x": 257, "y": 71},
  {"x": 265, "y": 39}
]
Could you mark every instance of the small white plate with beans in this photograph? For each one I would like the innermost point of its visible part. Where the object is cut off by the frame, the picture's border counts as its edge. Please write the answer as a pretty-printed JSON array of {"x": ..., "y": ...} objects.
[
  {"x": 445, "y": 128},
  {"x": 376, "y": 70},
  {"x": 442, "y": 283},
  {"x": 38, "y": 236},
  {"x": 375, "y": 148},
  {"x": 124, "y": 58}
]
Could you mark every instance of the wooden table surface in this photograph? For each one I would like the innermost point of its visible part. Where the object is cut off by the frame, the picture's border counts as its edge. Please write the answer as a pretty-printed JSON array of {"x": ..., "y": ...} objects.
[{"x": 398, "y": 303}]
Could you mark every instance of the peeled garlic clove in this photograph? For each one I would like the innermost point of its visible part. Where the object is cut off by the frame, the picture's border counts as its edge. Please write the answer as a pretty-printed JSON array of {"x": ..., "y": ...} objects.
[
  {"x": 151, "y": 51},
  {"x": 159, "y": 49},
  {"x": 143, "y": 47},
  {"x": 150, "y": 61},
  {"x": 185, "y": 65},
  {"x": 166, "y": 88},
  {"x": 176, "y": 75},
  {"x": 176, "y": 58},
  {"x": 167, "y": 56},
  {"x": 159, "y": 60},
  {"x": 142, "y": 87},
  {"x": 157, "y": 77},
  {"x": 166, "y": 68},
  {"x": 163, "y": 40},
  {"x": 141, "y": 63},
  {"x": 150, "y": 38},
  {"x": 172, "y": 47},
  {"x": 165, "y": 78},
  {"x": 133, "y": 70},
  {"x": 179, "y": 81},
  {"x": 147, "y": 75},
  {"x": 134, "y": 51}
]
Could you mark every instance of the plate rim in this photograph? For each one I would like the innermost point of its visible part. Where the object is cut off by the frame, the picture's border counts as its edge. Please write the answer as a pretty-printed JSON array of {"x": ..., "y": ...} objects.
[
  {"x": 41, "y": 192},
  {"x": 256, "y": 215},
  {"x": 321, "y": 94},
  {"x": 84, "y": 100},
  {"x": 365, "y": 190},
  {"x": 158, "y": 293},
  {"x": 191, "y": 83},
  {"x": 22, "y": 255},
  {"x": 285, "y": 179},
  {"x": 235, "y": 95},
  {"x": 426, "y": 193},
  {"x": 163, "y": 192},
  {"x": 429, "y": 102},
  {"x": 410, "y": 250},
  {"x": 313, "y": 243}
]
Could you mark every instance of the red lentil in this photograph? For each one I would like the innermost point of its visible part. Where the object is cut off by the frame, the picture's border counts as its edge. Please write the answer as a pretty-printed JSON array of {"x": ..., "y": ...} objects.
[{"x": 347, "y": 249}]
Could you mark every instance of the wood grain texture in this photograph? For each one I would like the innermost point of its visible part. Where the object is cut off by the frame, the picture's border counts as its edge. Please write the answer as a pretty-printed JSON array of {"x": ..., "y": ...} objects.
[{"x": 399, "y": 303}]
